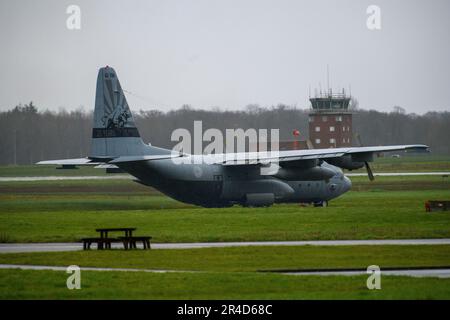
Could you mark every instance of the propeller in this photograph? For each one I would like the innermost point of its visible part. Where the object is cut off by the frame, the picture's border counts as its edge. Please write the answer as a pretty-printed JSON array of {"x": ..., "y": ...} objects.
[
  {"x": 369, "y": 171},
  {"x": 358, "y": 137}
]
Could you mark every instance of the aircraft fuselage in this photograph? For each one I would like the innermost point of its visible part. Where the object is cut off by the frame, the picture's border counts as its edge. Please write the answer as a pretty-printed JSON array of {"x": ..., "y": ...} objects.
[{"x": 214, "y": 185}]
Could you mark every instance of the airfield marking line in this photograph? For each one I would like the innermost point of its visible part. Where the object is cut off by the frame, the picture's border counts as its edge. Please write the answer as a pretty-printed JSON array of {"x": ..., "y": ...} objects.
[
  {"x": 436, "y": 273},
  {"x": 417, "y": 273},
  {"x": 59, "y": 268},
  {"x": 50, "y": 247}
]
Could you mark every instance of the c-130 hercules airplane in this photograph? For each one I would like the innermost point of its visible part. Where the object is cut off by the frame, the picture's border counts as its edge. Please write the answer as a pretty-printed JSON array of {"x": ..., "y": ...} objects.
[{"x": 217, "y": 180}]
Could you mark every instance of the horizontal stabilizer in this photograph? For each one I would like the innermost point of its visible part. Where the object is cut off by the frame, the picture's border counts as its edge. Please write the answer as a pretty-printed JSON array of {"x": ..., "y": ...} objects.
[
  {"x": 70, "y": 162},
  {"x": 106, "y": 166}
]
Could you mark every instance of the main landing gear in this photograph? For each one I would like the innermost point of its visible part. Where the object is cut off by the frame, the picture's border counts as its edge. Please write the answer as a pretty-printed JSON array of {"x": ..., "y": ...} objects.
[{"x": 321, "y": 204}]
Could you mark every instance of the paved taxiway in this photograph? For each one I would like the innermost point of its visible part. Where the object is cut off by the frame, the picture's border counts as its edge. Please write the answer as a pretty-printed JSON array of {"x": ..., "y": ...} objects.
[
  {"x": 49, "y": 247},
  {"x": 58, "y": 268}
]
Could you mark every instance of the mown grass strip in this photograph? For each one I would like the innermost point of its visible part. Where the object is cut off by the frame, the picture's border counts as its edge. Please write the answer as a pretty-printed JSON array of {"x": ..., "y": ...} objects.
[
  {"x": 27, "y": 284},
  {"x": 246, "y": 259}
]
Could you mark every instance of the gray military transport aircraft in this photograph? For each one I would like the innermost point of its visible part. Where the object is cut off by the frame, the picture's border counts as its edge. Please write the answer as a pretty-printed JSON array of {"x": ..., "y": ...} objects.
[{"x": 217, "y": 180}]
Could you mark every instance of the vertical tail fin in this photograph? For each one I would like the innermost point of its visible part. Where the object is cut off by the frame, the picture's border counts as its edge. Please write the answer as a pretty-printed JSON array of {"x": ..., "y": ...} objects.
[{"x": 114, "y": 133}]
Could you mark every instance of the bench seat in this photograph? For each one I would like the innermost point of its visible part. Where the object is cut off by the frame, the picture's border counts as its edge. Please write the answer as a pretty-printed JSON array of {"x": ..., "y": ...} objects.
[
  {"x": 130, "y": 242},
  {"x": 102, "y": 243}
]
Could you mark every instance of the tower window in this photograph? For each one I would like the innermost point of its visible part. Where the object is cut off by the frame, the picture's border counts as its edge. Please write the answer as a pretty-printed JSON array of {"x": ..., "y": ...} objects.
[
  {"x": 331, "y": 129},
  {"x": 317, "y": 141},
  {"x": 317, "y": 129},
  {"x": 338, "y": 118},
  {"x": 324, "y": 118},
  {"x": 332, "y": 140}
]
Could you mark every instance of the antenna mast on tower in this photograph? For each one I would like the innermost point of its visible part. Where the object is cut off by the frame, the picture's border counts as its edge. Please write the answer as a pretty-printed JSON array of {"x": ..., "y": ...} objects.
[{"x": 328, "y": 78}]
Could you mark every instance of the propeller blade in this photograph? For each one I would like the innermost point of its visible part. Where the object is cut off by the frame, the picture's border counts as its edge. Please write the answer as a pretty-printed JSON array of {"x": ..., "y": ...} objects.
[
  {"x": 309, "y": 144},
  {"x": 358, "y": 138},
  {"x": 369, "y": 171}
]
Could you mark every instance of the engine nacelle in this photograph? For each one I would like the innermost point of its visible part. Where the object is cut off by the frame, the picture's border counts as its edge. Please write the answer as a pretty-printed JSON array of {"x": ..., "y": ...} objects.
[
  {"x": 347, "y": 162},
  {"x": 259, "y": 199},
  {"x": 309, "y": 174},
  {"x": 238, "y": 190}
]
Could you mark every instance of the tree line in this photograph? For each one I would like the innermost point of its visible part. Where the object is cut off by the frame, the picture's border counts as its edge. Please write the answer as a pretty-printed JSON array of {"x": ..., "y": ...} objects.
[{"x": 29, "y": 134}]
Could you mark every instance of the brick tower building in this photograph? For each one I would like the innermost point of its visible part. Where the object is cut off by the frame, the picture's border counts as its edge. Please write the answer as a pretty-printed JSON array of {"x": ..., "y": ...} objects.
[{"x": 330, "y": 121}]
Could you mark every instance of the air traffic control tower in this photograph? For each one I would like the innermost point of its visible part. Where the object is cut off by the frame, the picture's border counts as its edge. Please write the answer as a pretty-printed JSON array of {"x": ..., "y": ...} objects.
[{"x": 330, "y": 120}]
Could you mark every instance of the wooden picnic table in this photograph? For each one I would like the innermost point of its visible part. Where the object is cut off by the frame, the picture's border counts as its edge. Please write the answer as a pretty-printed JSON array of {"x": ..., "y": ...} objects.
[
  {"x": 129, "y": 242},
  {"x": 104, "y": 231}
]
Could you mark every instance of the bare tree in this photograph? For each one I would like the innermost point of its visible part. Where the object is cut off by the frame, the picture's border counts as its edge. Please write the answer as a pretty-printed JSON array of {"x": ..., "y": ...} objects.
[{"x": 29, "y": 134}]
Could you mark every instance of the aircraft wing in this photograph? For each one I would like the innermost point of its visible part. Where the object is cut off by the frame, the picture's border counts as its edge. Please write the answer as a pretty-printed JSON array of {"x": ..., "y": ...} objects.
[
  {"x": 230, "y": 159},
  {"x": 411, "y": 148},
  {"x": 125, "y": 159}
]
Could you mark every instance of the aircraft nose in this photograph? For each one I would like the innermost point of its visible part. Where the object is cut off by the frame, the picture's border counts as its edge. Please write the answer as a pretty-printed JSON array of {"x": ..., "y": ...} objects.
[{"x": 347, "y": 185}]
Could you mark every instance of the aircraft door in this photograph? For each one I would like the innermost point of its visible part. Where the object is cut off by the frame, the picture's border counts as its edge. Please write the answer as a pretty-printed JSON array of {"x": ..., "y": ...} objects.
[{"x": 218, "y": 182}]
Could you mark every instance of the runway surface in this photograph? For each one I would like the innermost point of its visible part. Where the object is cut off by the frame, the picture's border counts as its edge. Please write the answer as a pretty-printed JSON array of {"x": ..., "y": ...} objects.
[
  {"x": 434, "y": 272},
  {"x": 49, "y": 247},
  {"x": 58, "y": 268},
  {"x": 58, "y": 178},
  {"x": 128, "y": 177},
  {"x": 399, "y": 174}
]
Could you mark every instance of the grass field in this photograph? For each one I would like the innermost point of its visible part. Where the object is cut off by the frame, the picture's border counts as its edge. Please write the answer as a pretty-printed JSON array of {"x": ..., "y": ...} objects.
[
  {"x": 59, "y": 211},
  {"x": 246, "y": 259},
  {"x": 41, "y": 214},
  {"x": 227, "y": 273},
  {"x": 21, "y": 284}
]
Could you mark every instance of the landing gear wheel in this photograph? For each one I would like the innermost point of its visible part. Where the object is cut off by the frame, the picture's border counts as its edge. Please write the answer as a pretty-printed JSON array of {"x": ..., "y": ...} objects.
[{"x": 321, "y": 204}]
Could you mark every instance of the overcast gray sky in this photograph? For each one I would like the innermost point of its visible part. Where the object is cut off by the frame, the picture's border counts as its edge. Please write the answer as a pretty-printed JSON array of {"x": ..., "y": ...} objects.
[{"x": 226, "y": 53}]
